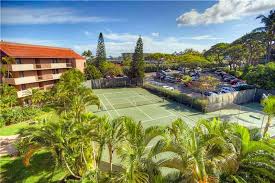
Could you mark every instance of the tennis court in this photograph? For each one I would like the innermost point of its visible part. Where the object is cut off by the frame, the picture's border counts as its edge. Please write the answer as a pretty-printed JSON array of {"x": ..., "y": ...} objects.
[{"x": 151, "y": 109}]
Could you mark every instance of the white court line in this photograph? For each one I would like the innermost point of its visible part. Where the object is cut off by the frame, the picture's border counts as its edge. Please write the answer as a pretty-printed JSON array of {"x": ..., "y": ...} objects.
[
  {"x": 183, "y": 115},
  {"x": 144, "y": 113},
  {"x": 111, "y": 105},
  {"x": 139, "y": 94},
  {"x": 141, "y": 110},
  {"x": 145, "y": 121},
  {"x": 107, "y": 110},
  {"x": 110, "y": 93}
]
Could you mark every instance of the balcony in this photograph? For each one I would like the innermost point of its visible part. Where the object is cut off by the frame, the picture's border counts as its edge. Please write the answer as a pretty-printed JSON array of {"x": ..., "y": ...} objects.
[
  {"x": 48, "y": 77},
  {"x": 29, "y": 67},
  {"x": 19, "y": 81},
  {"x": 31, "y": 79},
  {"x": 28, "y": 92},
  {"x": 19, "y": 67}
]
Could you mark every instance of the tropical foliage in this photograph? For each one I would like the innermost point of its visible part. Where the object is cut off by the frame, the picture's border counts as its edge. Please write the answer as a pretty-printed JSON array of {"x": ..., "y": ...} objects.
[
  {"x": 269, "y": 109},
  {"x": 8, "y": 96},
  {"x": 263, "y": 76},
  {"x": 17, "y": 114},
  {"x": 211, "y": 151},
  {"x": 91, "y": 72},
  {"x": 268, "y": 29}
]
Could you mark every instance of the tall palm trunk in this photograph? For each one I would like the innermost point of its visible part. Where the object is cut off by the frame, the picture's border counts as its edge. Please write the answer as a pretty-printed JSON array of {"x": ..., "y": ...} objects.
[
  {"x": 110, "y": 148},
  {"x": 267, "y": 125}
]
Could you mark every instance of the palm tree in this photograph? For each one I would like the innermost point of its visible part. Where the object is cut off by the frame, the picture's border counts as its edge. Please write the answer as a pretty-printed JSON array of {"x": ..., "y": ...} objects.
[
  {"x": 269, "y": 109},
  {"x": 269, "y": 28},
  {"x": 255, "y": 158},
  {"x": 38, "y": 97},
  {"x": 70, "y": 142},
  {"x": 199, "y": 153},
  {"x": 136, "y": 153},
  {"x": 115, "y": 137},
  {"x": 78, "y": 104},
  {"x": 7, "y": 60}
]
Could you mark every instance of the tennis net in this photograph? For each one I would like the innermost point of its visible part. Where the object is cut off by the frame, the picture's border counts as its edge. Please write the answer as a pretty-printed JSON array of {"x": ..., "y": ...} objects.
[{"x": 132, "y": 103}]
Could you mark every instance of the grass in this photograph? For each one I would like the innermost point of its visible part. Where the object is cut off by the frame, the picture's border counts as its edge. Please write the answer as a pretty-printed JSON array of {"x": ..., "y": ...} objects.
[
  {"x": 41, "y": 169},
  {"x": 13, "y": 129}
]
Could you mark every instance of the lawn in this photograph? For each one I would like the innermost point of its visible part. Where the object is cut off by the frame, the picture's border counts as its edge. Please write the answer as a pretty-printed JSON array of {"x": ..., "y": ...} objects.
[
  {"x": 13, "y": 129},
  {"x": 41, "y": 169}
]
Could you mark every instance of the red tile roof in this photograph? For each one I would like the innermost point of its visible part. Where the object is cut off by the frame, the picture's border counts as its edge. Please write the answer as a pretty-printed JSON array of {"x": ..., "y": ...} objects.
[{"x": 17, "y": 50}]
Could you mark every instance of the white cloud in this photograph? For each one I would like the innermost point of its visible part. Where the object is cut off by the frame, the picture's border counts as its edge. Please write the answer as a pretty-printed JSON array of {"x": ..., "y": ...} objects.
[
  {"x": 117, "y": 43},
  {"x": 155, "y": 34},
  {"x": 47, "y": 16},
  {"x": 225, "y": 10},
  {"x": 204, "y": 37},
  {"x": 121, "y": 37},
  {"x": 87, "y": 33}
]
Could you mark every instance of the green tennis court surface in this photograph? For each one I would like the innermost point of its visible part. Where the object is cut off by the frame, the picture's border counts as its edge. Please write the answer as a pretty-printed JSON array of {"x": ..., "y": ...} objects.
[{"x": 151, "y": 109}]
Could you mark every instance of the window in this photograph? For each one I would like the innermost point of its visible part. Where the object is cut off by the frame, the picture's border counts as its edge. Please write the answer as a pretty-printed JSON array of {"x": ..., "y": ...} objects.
[
  {"x": 23, "y": 87},
  {"x": 55, "y": 71},
  {"x": 21, "y": 74},
  {"x": 37, "y": 61},
  {"x": 54, "y": 60},
  {"x": 18, "y": 61}
]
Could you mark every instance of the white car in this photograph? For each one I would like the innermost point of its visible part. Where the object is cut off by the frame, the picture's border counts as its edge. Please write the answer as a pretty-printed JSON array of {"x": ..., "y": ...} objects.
[{"x": 168, "y": 87}]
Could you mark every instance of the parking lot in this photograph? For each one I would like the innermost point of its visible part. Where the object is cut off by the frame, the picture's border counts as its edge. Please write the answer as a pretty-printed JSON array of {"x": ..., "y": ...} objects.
[{"x": 171, "y": 80}]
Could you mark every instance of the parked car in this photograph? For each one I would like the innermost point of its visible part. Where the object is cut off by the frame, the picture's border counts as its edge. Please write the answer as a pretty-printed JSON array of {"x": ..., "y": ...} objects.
[
  {"x": 180, "y": 69},
  {"x": 226, "y": 75},
  {"x": 168, "y": 70},
  {"x": 187, "y": 84},
  {"x": 228, "y": 79},
  {"x": 217, "y": 72},
  {"x": 227, "y": 89},
  {"x": 170, "y": 79},
  {"x": 222, "y": 74},
  {"x": 209, "y": 93},
  {"x": 242, "y": 86},
  {"x": 195, "y": 78},
  {"x": 234, "y": 81},
  {"x": 168, "y": 87}
]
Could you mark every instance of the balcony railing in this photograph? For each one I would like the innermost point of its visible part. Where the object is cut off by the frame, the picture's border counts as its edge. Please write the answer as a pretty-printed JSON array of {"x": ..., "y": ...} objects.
[
  {"x": 24, "y": 93},
  {"x": 31, "y": 79},
  {"x": 28, "y": 67}
]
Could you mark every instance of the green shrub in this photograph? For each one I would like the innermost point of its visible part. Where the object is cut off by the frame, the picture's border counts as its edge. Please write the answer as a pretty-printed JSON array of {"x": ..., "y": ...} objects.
[
  {"x": 237, "y": 73},
  {"x": 199, "y": 104},
  {"x": 17, "y": 115}
]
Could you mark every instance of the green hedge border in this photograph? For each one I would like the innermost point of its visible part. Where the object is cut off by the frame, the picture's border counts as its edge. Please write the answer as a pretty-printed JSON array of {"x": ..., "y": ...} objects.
[{"x": 198, "y": 104}]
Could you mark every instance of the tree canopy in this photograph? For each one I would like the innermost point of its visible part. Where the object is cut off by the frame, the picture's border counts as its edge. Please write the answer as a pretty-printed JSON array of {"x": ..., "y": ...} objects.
[
  {"x": 137, "y": 64},
  {"x": 100, "y": 52}
]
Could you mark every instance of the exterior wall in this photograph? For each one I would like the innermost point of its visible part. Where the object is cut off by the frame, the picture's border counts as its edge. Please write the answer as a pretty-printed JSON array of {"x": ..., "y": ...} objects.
[
  {"x": 217, "y": 102},
  {"x": 79, "y": 64},
  {"x": 38, "y": 73}
]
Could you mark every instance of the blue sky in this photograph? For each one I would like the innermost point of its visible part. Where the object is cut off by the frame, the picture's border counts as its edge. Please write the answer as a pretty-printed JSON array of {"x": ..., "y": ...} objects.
[{"x": 165, "y": 26}]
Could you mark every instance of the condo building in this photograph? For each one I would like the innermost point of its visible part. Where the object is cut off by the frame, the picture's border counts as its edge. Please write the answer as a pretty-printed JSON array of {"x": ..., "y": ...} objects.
[{"x": 36, "y": 66}]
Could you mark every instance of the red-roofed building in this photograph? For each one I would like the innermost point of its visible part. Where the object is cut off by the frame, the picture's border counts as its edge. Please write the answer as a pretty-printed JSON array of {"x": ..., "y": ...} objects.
[{"x": 37, "y": 66}]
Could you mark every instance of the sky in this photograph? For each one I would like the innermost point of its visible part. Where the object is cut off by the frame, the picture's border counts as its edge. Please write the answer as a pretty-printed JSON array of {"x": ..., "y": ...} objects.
[{"x": 165, "y": 26}]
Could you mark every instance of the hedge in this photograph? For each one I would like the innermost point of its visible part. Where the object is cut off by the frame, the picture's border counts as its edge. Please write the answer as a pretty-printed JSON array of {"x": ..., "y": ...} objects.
[
  {"x": 196, "y": 103},
  {"x": 154, "y": 68},
  {"x": 17, "y": 114}
]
